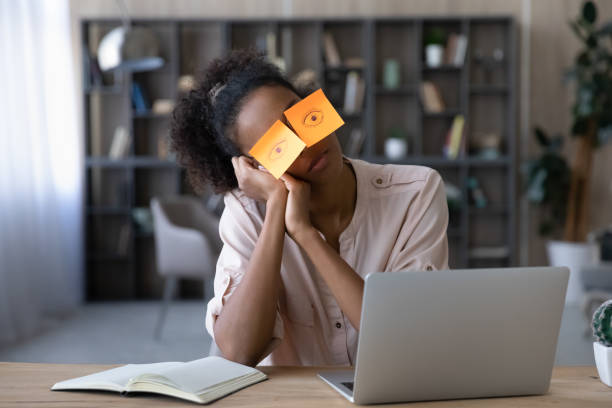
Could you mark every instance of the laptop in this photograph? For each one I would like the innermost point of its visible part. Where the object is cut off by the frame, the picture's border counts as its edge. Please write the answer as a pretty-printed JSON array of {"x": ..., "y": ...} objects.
[{"x": 440, "y": 335}]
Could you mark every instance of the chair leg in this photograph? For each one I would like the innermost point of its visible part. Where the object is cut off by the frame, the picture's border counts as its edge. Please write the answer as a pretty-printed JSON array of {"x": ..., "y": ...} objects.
[{"x": 169, "y": 288}]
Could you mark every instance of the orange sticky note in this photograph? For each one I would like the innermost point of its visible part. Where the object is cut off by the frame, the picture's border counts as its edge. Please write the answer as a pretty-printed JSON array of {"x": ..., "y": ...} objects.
[
  {"x": 313, "y": 118},
  {"x": 277, "y": 149}
]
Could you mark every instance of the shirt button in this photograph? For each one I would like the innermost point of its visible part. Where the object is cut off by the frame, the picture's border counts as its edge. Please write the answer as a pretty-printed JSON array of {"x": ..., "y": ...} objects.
[
  {"x": 338, "y": 325},
  {"x": 379, "y": 181},
  {"x": 429, "y": 268}
]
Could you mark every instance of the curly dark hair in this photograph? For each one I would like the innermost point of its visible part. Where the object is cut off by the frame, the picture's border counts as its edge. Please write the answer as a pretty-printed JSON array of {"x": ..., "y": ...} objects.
[{"x": 202, "y": 129}]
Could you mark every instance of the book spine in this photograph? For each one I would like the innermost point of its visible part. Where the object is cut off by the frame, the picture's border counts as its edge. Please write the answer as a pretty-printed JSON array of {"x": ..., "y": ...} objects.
[
  {"x": 456, "y": 136},
  {"x": 350, "y": 92}
]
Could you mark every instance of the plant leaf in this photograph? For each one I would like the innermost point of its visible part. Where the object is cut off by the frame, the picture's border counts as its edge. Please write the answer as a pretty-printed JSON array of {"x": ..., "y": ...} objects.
[
  {"x": 591, "y": 41},
  {"x": 583, "y": 59},
  {"x": 604, "y": 135},
  {"x": 605, "y": 29},
  {"x": 577, "y": 30},
  {"x": 541, "y": 137},
  {"x": 579, "y": 126},
  {"x": 589, "y": 12}
]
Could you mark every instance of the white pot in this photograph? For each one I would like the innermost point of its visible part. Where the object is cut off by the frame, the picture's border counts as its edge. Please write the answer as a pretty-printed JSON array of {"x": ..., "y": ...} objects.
[
  {"x": 395, "y": 148},
  {"x": 574, "y": 255},
  {"x": 603, "y": 361},
  {"x": 433, "y": 55}
]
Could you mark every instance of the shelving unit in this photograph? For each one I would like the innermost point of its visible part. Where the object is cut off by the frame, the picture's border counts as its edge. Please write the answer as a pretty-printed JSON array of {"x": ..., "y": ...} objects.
[{"x": 485, "y": 97}]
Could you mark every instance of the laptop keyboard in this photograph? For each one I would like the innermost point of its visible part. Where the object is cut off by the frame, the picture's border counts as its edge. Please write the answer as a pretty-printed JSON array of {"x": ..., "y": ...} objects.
[{"x": 348, "y": 385}]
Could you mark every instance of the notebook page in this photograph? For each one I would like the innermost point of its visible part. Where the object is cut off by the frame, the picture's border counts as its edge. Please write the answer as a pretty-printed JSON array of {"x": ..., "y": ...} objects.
[
  {"x": 198, "y": 375},
  {"x": 117, "y": 378}
]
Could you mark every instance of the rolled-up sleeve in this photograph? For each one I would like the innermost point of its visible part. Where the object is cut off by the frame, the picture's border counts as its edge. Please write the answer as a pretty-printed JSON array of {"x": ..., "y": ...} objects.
[
  {"x": 422, "y": 239},
  {"x": 239, "y": 233}
]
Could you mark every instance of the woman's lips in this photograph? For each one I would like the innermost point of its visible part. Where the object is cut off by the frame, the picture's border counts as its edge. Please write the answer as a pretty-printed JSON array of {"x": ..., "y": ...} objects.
[{"x": 318, "y": 162}]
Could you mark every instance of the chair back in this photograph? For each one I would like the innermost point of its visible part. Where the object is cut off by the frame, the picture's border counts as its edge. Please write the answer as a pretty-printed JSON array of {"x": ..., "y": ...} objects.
[{"x": 187, "y": 239}]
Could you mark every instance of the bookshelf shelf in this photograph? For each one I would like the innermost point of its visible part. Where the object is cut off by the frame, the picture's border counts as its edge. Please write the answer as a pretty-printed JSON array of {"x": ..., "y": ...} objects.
[
  {"x": 106, "y": 162},
  {"x": 404, "y": 90},
  {"x": 450, "y": 113},
  {"x": 488, "y": 89},
  {"x": 443, "y": 68},
  {"x": 482, "y": 89},
  {"x": 342, "y": 68},
  {"x": 128, "y": 162},
  {"x": 482, "y": 162}
]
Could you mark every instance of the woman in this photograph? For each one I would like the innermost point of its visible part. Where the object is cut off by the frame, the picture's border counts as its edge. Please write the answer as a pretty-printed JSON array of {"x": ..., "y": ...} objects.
[{"x": 289, "y": 279}]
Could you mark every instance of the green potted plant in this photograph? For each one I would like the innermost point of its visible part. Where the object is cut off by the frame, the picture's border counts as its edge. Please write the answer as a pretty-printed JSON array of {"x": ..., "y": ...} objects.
[
  {"x": 434, "y": 40},
  {"x": 548, "y": 179},
  {"x": 591, "y": 112},
  {"x": 396, "y": 145},
  {"x": 591, "y": 74},
  {"x": 602, "y": 330}
]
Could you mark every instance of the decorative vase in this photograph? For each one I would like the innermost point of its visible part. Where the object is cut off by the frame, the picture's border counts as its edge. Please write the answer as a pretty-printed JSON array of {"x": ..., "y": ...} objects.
[
  {"x": 395, "y": 148},
  {"x": 574, "y": 255},
  {"x": 391, "y": 74},
  {"x": 603, "y": 361},
  {"x": 433, "y": 55}
]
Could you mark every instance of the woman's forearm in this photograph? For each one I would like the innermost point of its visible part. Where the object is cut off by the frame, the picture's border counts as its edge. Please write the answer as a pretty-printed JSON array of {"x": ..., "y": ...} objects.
[
  {"x": 345, "y": 284},
  {"x": 244, "y": 327}
]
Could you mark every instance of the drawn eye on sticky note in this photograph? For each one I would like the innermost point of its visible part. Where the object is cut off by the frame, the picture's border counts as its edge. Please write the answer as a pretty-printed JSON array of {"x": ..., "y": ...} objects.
[
  {"x": 313, "y": 118},
  {"x": 277, "y": 149}
]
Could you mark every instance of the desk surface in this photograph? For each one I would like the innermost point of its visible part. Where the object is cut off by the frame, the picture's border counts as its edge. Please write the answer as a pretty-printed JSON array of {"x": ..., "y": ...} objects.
[{"x": 27, "y": 385}]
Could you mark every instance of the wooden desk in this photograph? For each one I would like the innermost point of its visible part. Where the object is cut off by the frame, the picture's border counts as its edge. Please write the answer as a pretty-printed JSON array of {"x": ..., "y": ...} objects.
[{"x": 27, "y": 385}]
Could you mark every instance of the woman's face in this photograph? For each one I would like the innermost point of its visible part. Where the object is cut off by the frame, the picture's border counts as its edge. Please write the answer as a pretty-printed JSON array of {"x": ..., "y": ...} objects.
[{"x": 319, "y": 163}]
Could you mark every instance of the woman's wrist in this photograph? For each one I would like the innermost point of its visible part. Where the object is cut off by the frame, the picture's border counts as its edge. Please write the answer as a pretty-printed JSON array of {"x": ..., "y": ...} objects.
[
  {"x": 278, "y": 197},
  {"x": 305, "y": 234}
]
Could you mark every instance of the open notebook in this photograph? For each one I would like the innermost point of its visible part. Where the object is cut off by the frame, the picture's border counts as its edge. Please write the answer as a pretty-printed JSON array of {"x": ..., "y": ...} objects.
[{"x": 201, "y": 381}]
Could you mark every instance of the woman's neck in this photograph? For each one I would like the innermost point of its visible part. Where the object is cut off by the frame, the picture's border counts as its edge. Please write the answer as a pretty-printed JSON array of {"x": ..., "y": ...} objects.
[{"x": 335, "y": 198}]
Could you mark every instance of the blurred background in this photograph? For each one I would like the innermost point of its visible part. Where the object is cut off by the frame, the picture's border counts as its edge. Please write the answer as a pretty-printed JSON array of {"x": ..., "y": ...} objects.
[{"x": 107, "y": 254}]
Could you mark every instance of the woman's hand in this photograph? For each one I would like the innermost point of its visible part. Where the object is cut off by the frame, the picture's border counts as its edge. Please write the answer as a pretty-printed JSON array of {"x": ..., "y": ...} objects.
[
  {"x": 258, "y": 184},
  {"x": 297, "y": 217}
]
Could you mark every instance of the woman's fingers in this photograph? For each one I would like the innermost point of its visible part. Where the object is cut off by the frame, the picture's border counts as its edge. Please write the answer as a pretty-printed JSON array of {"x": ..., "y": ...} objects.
[{"x": 291, "y": 183}]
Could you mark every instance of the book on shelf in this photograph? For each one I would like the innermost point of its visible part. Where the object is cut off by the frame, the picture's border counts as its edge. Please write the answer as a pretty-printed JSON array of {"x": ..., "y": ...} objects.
[
  {"x": 355, "y": 142},
  {"x": 354, "y": 63},
  {"x": 332, "y": 56},
  {"x": 432, "y": 97},
  {"x": 163, "y": 148},
  {"x": 121, "y": 143},
  {"x": 451, "y": 48},
  {"x": 92, "y": 74},
  {"x": 272, "y": 51},
  {"x": 455, "y": 49},
  {"x": 162, "y": 106},
  {"x": 489, "y": 252},
  {"x": 459, "y": 57},
  {"x": 200, "y": 381},
  {"x": 455, "y": 142},
  {"x": 353, "y": 93},
  {"x": 186, "y": 83},
  {"x": 140, "y": 102},
  {"x": 123, "y": 242}
]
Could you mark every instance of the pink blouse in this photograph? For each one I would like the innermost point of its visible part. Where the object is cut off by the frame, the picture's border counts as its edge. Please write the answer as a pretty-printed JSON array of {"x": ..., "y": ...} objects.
[{"x": 399, "y": 223}]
